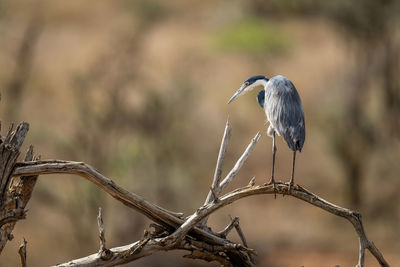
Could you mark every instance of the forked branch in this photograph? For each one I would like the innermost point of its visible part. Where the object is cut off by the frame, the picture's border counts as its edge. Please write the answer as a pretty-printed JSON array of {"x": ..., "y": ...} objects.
[{"x": 173, "y": 232}]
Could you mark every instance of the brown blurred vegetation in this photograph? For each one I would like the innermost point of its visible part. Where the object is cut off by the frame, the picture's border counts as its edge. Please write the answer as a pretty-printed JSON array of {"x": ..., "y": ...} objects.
[{"x": 138, "y": 89}]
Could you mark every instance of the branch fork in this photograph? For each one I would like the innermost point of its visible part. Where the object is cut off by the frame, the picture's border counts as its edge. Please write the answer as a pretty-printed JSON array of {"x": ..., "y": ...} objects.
[{"x": 192, "y": 234}]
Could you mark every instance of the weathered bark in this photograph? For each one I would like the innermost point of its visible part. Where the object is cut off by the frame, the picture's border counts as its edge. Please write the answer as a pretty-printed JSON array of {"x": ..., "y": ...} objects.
[{"x": 14, "y": 194}]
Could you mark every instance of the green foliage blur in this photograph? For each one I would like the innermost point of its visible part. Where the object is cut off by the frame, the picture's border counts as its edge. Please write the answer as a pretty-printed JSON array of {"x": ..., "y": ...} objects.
[{"x": 251, "y": 35}]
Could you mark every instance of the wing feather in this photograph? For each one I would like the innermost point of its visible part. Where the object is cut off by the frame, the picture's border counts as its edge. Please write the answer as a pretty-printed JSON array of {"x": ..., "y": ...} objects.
[{"x": 284, "y": 111}]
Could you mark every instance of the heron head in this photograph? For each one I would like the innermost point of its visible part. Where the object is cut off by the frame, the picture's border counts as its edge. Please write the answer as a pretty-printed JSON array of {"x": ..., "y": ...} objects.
[{"x": 249, "y": 85}]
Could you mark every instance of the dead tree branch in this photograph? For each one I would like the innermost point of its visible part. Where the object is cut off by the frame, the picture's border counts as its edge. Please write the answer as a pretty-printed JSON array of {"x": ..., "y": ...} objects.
[
  {"x": 104, "y": 253},
  {"x": 220, "y": 162},
  {"x": 238, "y": 164},
  {"x": 229, "y": 227},
  {"x": 152, "y": 211},
  {"x": 302, "y": 194},
  {"x": 14, "y": 193},
  {"x": 168, "y": 220},
  {"x": 32, "y": 168},
  {"x": 171, "y": 231}
]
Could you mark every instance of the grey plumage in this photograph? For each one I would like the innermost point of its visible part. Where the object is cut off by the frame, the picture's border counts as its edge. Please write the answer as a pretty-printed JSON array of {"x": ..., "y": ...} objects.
[{"x": 285, "y": 112}]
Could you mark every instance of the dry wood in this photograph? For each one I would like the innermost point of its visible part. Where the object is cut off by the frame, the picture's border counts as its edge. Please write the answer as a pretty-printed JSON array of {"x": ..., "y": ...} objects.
[
  {"x": 9, "y": 151},
  {"x": 146, "y": 247},
  {"x": 212, "y": 195},
  {"x": 152, "y": 211},
  {"x": 104, "y": 253},
  {"x": 171, "y": 231},
  {"x": 14, "y": 194},
  {"x": 302, "y": 194},
  {"x": 242, "y": 237},
  {"x": 238, "y": 164},
  {"x": 229, "y": 227},
  {"x": 35, "y": 168},
  {"x": 220, "y": 162},
  {"x": 22, "y": 252}
]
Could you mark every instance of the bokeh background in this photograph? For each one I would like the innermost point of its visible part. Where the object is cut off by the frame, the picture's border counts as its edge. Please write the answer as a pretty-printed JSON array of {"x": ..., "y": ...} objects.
[{"x": 138, "y": 89}]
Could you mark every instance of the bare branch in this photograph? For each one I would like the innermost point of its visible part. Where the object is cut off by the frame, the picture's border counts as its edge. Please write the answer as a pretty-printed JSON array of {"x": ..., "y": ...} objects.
[
  {"x": 220, "y": 161},
  {"x": 229, "y": 227},
  {"x": 174, "y": 232},
  {"x": 297, "y": 192},
  {"x": 120, "y": 255},
  {"x": 238, "y": 164},
  {"x": 152, "y": 211},
  {"x": 242, "y": 237},
  {"x": 176, "y": 214},
  {"x": 104, "y": 253},
  {"x": 79, "y": 168},
  {"x": 151, "y": 244},
  {"x": 214, "y": 194},
  {"x": 22, "y": 252},
  {"x": 101, "y": 231},
  {"x": 252, "y": 181}
]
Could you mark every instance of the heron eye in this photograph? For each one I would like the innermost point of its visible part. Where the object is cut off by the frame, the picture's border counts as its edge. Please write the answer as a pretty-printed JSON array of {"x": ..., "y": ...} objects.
[{"x": 246, "y": 83}]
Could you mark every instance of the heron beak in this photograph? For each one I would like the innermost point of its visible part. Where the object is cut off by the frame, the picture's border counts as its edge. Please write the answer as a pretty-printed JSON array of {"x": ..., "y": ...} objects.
[{"x": 238, "y": 93}]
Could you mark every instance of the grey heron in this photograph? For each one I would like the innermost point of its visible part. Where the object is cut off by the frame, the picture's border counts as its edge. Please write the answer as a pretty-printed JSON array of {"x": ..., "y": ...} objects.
[{"x": 284, "y": 110}]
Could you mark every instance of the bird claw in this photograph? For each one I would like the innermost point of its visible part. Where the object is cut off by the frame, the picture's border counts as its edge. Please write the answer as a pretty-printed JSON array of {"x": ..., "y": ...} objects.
[{"x": 290, "y": 187}]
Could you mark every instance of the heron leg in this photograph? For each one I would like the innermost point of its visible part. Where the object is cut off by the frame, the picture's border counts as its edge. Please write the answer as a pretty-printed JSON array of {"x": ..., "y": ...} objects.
[
  {"x": 292, "y": 179},
  {"x": 272, "y": 181}
]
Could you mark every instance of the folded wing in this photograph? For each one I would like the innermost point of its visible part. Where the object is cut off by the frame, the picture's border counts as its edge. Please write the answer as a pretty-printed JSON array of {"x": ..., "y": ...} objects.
[{"x": 285, "y": 112}]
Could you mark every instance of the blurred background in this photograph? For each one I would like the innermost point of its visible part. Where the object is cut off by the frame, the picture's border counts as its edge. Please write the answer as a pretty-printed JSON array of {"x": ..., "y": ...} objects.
[{"x": 138, "y": 89}]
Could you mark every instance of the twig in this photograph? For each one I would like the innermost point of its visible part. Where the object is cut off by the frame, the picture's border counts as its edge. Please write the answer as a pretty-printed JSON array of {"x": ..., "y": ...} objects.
[
  {"x": 104, "y": 253},
  {"x": 220, "y": 161},
  {"x": 252, "y": 181},
  {"x": 229, "y": 227},
  {"x": 212, "y": 195},
  {"x": 22, "y": 252},
  {"x": 238, "y": 164},
  {"x": 101, "y": 231},
  {"x": 243, "y": 238}
]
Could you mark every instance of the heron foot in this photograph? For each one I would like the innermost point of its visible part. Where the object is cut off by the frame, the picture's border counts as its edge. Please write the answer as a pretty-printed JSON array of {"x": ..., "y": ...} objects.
[
  {"x": 291, "y": 184},
  {"x": 272, "y": 181}
]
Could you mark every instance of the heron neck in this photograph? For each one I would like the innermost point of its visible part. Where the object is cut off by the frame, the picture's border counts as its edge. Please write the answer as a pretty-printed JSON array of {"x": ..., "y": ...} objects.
[{"x": 264, "y": 82}]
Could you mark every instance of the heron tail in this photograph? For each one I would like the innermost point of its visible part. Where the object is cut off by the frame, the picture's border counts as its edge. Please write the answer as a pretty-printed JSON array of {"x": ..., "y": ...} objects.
[{"x": 294, "y": 137}]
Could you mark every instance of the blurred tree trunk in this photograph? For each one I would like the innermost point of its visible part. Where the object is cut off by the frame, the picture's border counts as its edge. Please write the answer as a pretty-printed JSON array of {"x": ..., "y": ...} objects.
[
  {"x": 354, "y": 177},
  {"x": 391, "y": 83},
  {"x": 16, "y": 86}
]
